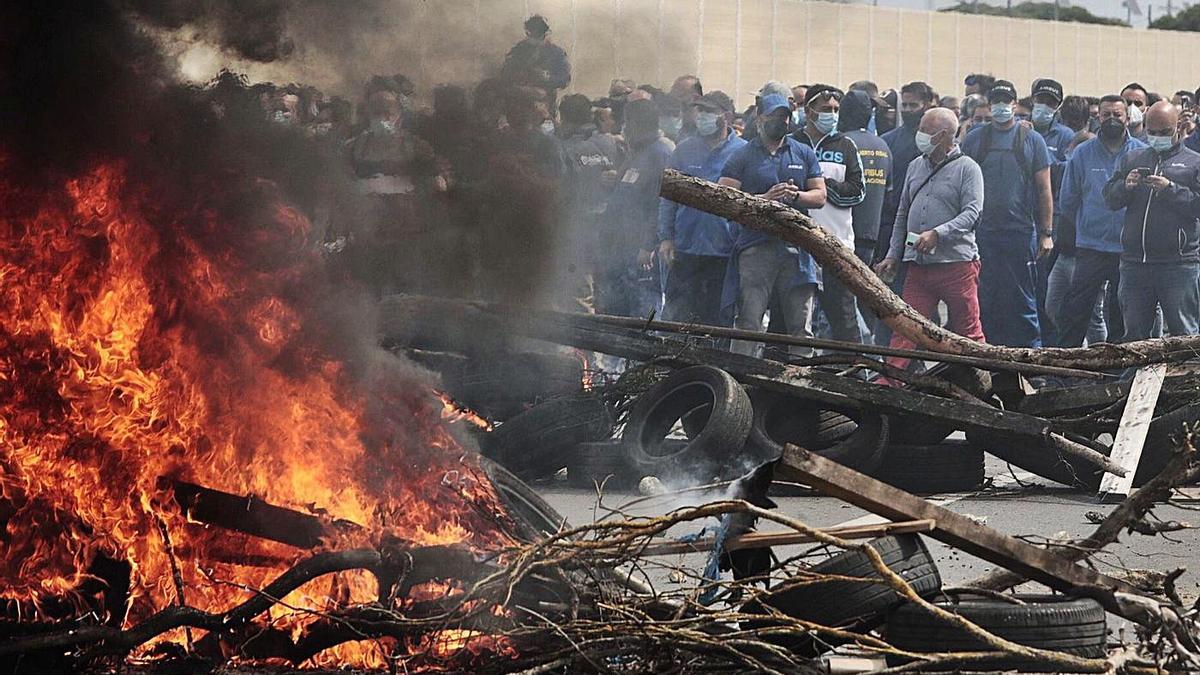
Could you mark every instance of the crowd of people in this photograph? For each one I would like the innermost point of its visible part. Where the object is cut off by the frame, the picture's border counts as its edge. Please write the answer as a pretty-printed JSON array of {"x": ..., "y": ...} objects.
[{"x": 1017, "y": 216}]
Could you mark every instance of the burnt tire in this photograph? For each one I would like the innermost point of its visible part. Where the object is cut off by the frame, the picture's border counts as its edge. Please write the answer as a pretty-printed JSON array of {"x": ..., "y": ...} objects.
[
  {"x": 857, "y": 442},
  {"x": 535, "y": 519},
  {"x": 930, "y": 469},
  {"x": 535, "y": 443},
  {"x": 603, "y": 463},
  {"x": 856, "y": 605},
  {"x": 915, "y": 430},
  {"x": 1070, "y": 625},
  {"x": 502, "y": 386},
  {"x": 713, "y": 401}
]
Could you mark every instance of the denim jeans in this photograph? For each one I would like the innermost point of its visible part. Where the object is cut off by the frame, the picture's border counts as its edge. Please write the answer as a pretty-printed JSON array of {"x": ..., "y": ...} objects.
[
  {"x": 1007, "y": 283},
  {"x": 1076, "y": 303},
  {"x": 1172, "y": 286},
  {"x": 767, "y": 272},
  {"x": 693, "y": 289}
]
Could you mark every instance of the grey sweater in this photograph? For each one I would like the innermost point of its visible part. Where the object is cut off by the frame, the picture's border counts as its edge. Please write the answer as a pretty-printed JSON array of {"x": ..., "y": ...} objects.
[{"x": 950, "y": 204}]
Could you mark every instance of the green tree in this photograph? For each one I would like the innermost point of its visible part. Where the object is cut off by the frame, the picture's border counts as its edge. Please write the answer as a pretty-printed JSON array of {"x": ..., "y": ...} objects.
[
  {"x": 1036, "y": 10},
  {"x": 1188, "y": 19}
]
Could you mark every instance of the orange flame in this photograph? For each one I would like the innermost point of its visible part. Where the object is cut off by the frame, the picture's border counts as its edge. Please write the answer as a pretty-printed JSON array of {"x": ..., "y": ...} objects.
[{"x": 129, "y": 351}]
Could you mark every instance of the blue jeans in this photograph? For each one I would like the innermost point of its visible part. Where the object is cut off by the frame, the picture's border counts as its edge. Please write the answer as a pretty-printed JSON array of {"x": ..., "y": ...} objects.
[
  {"x": 1173, "y": 286},
  {"x": 1077, "y": 292},
  {"x": 1007, "y": 282}
]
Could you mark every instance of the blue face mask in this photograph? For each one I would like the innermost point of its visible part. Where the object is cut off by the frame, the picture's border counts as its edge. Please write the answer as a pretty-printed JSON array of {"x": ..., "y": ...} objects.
[
  {"x": 708, "y": 123},
  {"x": 1002, "y": 112},
  {"x": 798, "y": 118},
  {"x": 1161, "y": 143},
  {"x": 670, "y": 125},
  {"x": 1043, "y": 114},
  {"x": 827, "y": 122}
]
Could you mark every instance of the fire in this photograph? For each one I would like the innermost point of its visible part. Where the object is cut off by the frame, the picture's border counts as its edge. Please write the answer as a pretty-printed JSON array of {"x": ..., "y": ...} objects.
[
  {"x": 453, "y": 411},
  {"x": 136, "y": 344}
]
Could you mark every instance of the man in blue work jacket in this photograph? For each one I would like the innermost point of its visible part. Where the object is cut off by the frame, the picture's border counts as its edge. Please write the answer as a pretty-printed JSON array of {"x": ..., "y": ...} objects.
[
  {"x": 695, "y": 245},
  {"x": 1016, "y": 227},
  {"x": 1097, "y": 228},
  {"x": 762, "y": 267}
]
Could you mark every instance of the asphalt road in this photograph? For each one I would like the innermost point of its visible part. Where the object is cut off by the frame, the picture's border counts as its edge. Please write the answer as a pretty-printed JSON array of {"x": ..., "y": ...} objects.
[{"x": 1038, "y": 510}]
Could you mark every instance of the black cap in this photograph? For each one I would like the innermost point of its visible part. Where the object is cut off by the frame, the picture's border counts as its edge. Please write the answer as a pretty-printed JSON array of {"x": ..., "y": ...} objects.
[
  {"x": 1002, "y": 90},
  {"x": 818, "y": 90},
  {"x": 1047, "y": 86},
  {"x": 716, "y": 101}
]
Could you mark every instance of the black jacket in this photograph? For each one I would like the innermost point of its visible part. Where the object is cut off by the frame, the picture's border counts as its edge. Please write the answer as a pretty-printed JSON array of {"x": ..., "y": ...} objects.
[
  {"x": 837, "y": 148},
  {"x": 1162, "y": 226}
]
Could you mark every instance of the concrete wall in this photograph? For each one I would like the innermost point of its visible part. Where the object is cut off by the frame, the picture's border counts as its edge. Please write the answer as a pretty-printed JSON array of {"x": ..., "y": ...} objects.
[{"x": 736, "y": 45}]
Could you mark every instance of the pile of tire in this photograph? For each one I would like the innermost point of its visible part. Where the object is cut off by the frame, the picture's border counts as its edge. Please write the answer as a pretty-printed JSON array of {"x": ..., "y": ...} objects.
[
  {"x": 853, "y": 438},
  {"x": 710, "y": 406},
  {"x": 591, "y": 466},
  {"x": 949, "y": 466},
  {"x": 536, "y": 443},
  {"x": 857, "y": 606},
  {"x": 1073, "y": 626}
]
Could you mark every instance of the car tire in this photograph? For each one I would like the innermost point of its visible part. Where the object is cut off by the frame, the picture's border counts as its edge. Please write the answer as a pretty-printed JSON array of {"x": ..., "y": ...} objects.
[
  {"x": 931, "y": 469},
  {"x": 605, "y": 463},
  {"x": 856, "y": 605},
  {"x": 857, "y": 442},
  {"x": 716, "y": 449},
  {"x": 535, "y": 443},
  {"x": 1073, "y": 626},
  {"x": 534, "y": 517}
]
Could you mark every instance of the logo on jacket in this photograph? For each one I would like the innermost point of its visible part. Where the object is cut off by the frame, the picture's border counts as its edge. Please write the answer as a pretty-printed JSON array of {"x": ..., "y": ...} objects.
[{"x": 831, "y": 156}]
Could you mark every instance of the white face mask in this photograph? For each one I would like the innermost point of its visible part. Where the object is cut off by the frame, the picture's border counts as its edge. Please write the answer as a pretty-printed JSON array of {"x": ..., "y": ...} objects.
[
  {"x": 1135, "y": 115},
  {"x": 925, "y": 142},
  {"x": 548, "y": 127}
]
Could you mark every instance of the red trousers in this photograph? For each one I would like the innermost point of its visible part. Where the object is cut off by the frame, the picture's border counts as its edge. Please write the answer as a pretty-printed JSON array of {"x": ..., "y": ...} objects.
[{"x": 955, "y": 284}]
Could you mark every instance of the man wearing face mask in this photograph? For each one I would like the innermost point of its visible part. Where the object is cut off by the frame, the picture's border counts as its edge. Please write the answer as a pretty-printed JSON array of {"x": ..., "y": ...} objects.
[
  {"x": 940, "y": 203},
  {"x": 631, "y": 286},
  {"x": 762, "y": 267},
  {"x": 695, "y": 245},
  {"x": 1137, "y": 99},
  {"x": 915, "y": 99},
  {"x": 1097, "y": 257},
  {"x": 1047, "y": 98},
  {"x": 1016, "y": 226},
  {"x": 394, "y": 171},
  {"x": 1159, "y": 188},
  {"x": 844, "y": 187},
  {"x": 876, "y": 159}
]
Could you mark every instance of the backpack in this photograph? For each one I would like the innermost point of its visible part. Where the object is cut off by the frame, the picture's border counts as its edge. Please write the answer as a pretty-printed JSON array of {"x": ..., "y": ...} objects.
[{"x": 1018, "y": 149}]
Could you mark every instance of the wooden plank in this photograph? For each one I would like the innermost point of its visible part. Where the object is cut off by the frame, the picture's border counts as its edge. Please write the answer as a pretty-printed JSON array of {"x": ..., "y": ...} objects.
[
  {"x": 1041, "y": 565},
  {"x": 1069, "y": 399},
  {"x": 765, "y": 539},
  {"x": 1135, "y": 422}
]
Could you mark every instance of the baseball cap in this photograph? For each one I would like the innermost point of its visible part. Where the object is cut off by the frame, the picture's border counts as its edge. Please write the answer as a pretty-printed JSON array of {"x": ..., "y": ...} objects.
[
  {"x": 772, "y": 102},
  {"x": 715, "y": 100},
  {"x": 1002, "y": 90},
  {"x": 1047, "y": 86}
]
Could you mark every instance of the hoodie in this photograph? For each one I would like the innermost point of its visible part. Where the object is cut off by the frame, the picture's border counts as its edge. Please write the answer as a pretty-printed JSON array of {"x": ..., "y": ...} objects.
[
  {"x": 1159, "y": 227},
  {"x": 876, "y": 159},
  {"x": 842, "y": 169},
  {"x": 1097, "y": 227}
]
